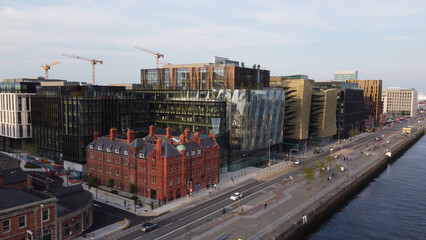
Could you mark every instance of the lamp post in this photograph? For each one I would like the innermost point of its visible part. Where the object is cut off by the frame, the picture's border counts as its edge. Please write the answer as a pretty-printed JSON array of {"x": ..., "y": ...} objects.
[
  {"x": 269, "y": 158},
  {"x": 41, "y": 221}
]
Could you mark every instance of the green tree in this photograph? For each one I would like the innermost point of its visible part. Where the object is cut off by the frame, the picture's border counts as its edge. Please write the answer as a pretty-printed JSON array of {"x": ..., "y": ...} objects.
[
  {"x": 309, "y": 174},
  {"x": 92, "y": 181},
  {"x": 352, "y": 132},
  {"x": 110, "y": 184},
  {"x": 329, "y": 160},
  {"x": 321, "y": 169},
  {"x": 133, "y": 189}
]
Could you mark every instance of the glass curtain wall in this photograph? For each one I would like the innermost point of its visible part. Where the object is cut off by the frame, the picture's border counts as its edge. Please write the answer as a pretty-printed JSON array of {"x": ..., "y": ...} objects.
[
  {"x": 182, "y": 78},
  {"x": 203, "y": 78},
  {"x": 218, "y": 77}
]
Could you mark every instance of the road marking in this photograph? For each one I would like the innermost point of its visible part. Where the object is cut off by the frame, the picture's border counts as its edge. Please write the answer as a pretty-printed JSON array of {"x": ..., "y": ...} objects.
[{"x": 168, "y": 224}]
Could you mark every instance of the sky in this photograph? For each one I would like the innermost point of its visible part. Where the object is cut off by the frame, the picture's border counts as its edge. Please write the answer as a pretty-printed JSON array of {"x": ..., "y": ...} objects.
[{"x": 382, "y": 39}]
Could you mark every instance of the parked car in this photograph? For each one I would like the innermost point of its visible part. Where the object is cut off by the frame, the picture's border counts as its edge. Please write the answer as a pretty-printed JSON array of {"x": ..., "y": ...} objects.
[
  {"x": 342, "y": 169},
  {"x": 337, "y": 156},
  {"x": 236, "y": 196},
  {"x": 319, "y": 150},
  {"x": 378, "y": 139},
  {"x": 148, "y": 226},
  {"x": 297, "y": 162}
]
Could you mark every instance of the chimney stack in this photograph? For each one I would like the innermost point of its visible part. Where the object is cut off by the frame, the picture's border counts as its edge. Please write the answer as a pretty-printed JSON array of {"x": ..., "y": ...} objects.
[
  {"x": 95, "y": 136},
  {"x": 187, "y": 133},
  {"x": 130, "y": 136},
  {"x": 168, "y": 132},
  {"x": 159, "y": 146},
  {"x": 151, "y": 130},
  {"x": 47, "y": 184},
  {"x": 196, "y": 138},
  {"x": 182, "y": 139},
  {"x": 212, "y": 135},
  {"x": 29, "y": 183},
  {"x": 113, "y": 133}
]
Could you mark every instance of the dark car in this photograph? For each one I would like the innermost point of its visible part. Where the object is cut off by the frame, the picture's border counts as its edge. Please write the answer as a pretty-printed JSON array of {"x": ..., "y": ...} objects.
[{"x": 148, "y": 226}]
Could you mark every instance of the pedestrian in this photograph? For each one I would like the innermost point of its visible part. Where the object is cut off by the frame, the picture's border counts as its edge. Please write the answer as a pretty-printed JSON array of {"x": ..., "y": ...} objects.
[
  {"x": 92, "y": 237},
  {"x": 232, "y": 180},
  {"x": 124, "y": 203},
  {"x": 242, "y": 211},
  {"x": 215, "y": 186},
  {"x": 266, "y": 206}
]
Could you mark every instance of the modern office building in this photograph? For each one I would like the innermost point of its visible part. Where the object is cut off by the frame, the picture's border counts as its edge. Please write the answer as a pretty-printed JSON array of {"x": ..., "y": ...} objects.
[
  {"x": 342, "y": 76},
  {"x": 65, "y": 117},
  {"x": 298, "y": 98},
  {"x": 222, "y": 74},
  {"x": 400, "y": 102},
  {"x": 163, "y": 167},
  {"x": 350, "y": 107},
  {"x": 372, "y": 100},
  {"x": 322, "y": 121}
]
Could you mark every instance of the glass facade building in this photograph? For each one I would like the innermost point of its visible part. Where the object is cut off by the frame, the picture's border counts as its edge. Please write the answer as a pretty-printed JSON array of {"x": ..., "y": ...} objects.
[{"x": 345, "y": 75}]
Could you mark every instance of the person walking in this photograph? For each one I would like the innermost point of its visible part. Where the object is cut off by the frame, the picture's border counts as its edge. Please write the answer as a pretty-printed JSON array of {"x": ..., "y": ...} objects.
[{"x": 266, "y": 206}]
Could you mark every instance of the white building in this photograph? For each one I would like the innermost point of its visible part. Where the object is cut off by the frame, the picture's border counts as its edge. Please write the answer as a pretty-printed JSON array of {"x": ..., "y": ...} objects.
[{"x": 400, "y": 102}]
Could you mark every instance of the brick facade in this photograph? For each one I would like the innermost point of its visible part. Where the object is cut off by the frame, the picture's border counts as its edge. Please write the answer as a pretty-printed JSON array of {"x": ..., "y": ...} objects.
[{"x": 160, "y": 166}]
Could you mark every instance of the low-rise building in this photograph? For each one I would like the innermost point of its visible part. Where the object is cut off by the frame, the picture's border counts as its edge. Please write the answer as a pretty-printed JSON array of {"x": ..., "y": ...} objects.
[{"x": 162, "y": 167}]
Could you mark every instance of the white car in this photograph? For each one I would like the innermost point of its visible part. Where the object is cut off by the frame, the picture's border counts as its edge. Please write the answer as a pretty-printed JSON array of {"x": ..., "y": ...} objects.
[
  {"x": 297, "y": 162},
  {"x": 236, "y": 196}
]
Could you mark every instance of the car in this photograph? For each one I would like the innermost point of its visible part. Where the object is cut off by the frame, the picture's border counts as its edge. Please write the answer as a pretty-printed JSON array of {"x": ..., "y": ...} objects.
[
  {"x": 236, "y": 196},
  {"x": 297, "y": 162},
  {"x": 148, "y": 226},
  {"x": 337, "y": 156},
  {"x": 342, "y": 169},
  {"x": 378, "y": 139},
  {"x": 318, "y": 150}
]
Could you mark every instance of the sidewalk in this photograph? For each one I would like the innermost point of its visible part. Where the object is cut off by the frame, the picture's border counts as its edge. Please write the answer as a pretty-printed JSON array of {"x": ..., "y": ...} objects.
[{"x": 106, "y": 230}]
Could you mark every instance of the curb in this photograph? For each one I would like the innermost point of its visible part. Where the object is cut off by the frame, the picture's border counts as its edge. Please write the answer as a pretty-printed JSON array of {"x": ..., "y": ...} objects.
[{"x": 128, "y": 223}]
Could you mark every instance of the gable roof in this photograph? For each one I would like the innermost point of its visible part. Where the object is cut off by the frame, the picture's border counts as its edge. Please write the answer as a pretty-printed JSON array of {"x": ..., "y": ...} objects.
[
  {"x": 169, "y": 150},
  {"x": 13, "y": 175},
  {"x": 207, "y": 142}
]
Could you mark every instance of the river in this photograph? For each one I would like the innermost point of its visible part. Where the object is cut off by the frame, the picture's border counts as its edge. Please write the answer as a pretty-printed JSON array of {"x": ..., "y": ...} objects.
[{"x": 392, "y": 206}]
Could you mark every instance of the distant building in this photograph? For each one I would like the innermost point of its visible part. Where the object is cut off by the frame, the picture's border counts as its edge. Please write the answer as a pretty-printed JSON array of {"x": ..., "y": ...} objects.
[
  {"x": 399, "y": 102},
  {"x": 372, "y": 100},
  {"x": 162, "y": 167},
  {"x": 322, "y": 125},
  {"x": 223, "y": 74},
  {"x": 342, "y": 76},
  {"x": 350, "y": 107}
]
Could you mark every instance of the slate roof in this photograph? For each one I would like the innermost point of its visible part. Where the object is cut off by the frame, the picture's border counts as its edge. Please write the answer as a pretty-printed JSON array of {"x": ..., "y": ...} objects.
[
  {"x": 192, "y": 146},
  {"x": 207, "y": 142},
  {"x": 10, "y": 197},
  {"x": 169, "y": 150},
  {"x": 71, "y": 198},
  {"x": 13, "y": 175},
  {"x": 7, "y": 162},
  {"x": 105, "y": 143}
]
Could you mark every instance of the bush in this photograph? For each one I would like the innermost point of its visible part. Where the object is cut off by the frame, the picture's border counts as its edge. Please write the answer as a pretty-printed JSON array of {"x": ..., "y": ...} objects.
[
  {"x": 114, "y": 191},
  {"x": 134, "y": 198}
]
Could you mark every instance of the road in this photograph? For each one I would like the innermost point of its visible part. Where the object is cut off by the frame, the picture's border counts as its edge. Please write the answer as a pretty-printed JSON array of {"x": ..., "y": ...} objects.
[{"x": 178, "y": 223}]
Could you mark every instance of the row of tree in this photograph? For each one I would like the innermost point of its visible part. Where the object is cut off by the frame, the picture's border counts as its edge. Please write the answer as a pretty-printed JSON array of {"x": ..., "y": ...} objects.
[{"x": 321, "y": 166}]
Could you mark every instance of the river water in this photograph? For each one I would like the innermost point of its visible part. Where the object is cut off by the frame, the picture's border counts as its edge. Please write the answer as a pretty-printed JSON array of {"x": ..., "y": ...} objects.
[{"x": 392, "y": 206}]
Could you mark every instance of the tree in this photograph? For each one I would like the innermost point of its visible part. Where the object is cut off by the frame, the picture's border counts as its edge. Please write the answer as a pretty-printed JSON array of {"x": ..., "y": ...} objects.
[
  {"x": 92, "y": 181},
  {"x": 352, "y": 132},
  {"x": 329, "y": 159},
  {"x": 133, "y": 189},
  {"x": 321, "y": 168},
  {"x": 309, "y": 174},
  {"x": 242, "y": 64},
  {"x": 110, "y": 184}
]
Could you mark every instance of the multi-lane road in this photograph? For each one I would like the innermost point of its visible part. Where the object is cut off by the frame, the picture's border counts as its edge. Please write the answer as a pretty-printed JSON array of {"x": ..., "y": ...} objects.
[{"x": 180, "y": 222}]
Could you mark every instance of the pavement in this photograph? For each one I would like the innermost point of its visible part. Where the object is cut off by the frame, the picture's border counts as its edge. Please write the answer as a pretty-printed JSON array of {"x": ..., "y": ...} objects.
[{"x": 283, "y": 204}]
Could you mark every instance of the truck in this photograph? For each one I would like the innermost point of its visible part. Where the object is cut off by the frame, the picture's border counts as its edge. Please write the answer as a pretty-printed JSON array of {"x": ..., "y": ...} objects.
[{"x": 408, "y": 130}]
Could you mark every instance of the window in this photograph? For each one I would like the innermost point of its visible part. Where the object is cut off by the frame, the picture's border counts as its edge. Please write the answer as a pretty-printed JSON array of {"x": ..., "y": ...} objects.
[
  {"x": 77, "y": 227},
  {"x": 178, "y": 180},
  {"x": 91, "y": 154},
  {"x": 117, "y": 150},
  {"x": 153, "y": 167},
  {"x": 192, "y": 153},
  {"x": 126, "y": 153},
  {"x": 171, "y": 169},
  {"x": 67, "y": 229},
  {"x": 187, "y": 154},
  {"x": 152, "y": 180},
  {"x": 108, "y": 158},
  {"x": 141, "y": 155},
  {"x": 153, "y": 157},
  {"x": 108, "y": 149},
  {"x": 99, "y": 148},
  {"x": 22, "y": 221},
  {"x": 171, "y": 182},
  {"x": 6, "y": 226},
  {"x": 91, "y": 146},
  {"x": 178, "y": 167},
  {"x": 125, "y": 174},
  {"x": 199, "y": 151},
  {"x": 100, "y": 168},
  {"x": 117, "y": 172},
  {"x": 46, "y": 215}
]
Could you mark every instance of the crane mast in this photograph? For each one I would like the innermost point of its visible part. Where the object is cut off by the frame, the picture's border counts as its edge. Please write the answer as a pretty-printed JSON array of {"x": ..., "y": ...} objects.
[{"x": 92, "y": 61}]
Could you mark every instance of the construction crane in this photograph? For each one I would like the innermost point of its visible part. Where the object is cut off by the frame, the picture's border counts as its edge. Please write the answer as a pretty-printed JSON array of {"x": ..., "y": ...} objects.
[
  {"x": 46, "y": 68},
  {"x": 157, "y": 55},
  {"x": 93, "y": 61}
]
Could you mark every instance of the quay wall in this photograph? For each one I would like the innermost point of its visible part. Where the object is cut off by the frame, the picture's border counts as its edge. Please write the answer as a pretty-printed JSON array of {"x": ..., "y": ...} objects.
[{"x": 332, "y": 201}]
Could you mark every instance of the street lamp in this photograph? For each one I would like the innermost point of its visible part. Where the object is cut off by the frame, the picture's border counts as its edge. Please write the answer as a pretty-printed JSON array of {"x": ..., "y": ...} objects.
[{"x": 269, "y": 158}]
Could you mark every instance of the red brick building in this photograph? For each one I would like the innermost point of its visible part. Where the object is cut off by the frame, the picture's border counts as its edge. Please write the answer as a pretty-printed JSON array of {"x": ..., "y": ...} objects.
[{"x": 160, "y": 166}]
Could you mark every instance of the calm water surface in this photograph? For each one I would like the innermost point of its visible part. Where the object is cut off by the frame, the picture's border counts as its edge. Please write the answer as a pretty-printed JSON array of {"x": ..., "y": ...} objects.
[{"x": 393, "y": 206}]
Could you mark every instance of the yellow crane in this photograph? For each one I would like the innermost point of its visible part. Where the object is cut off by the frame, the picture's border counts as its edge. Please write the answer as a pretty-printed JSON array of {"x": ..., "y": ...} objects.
[
  {"x": 157, "y": 55},
  {"x": 93, "y": 61},
  {"x": 46, "y": 68}
]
